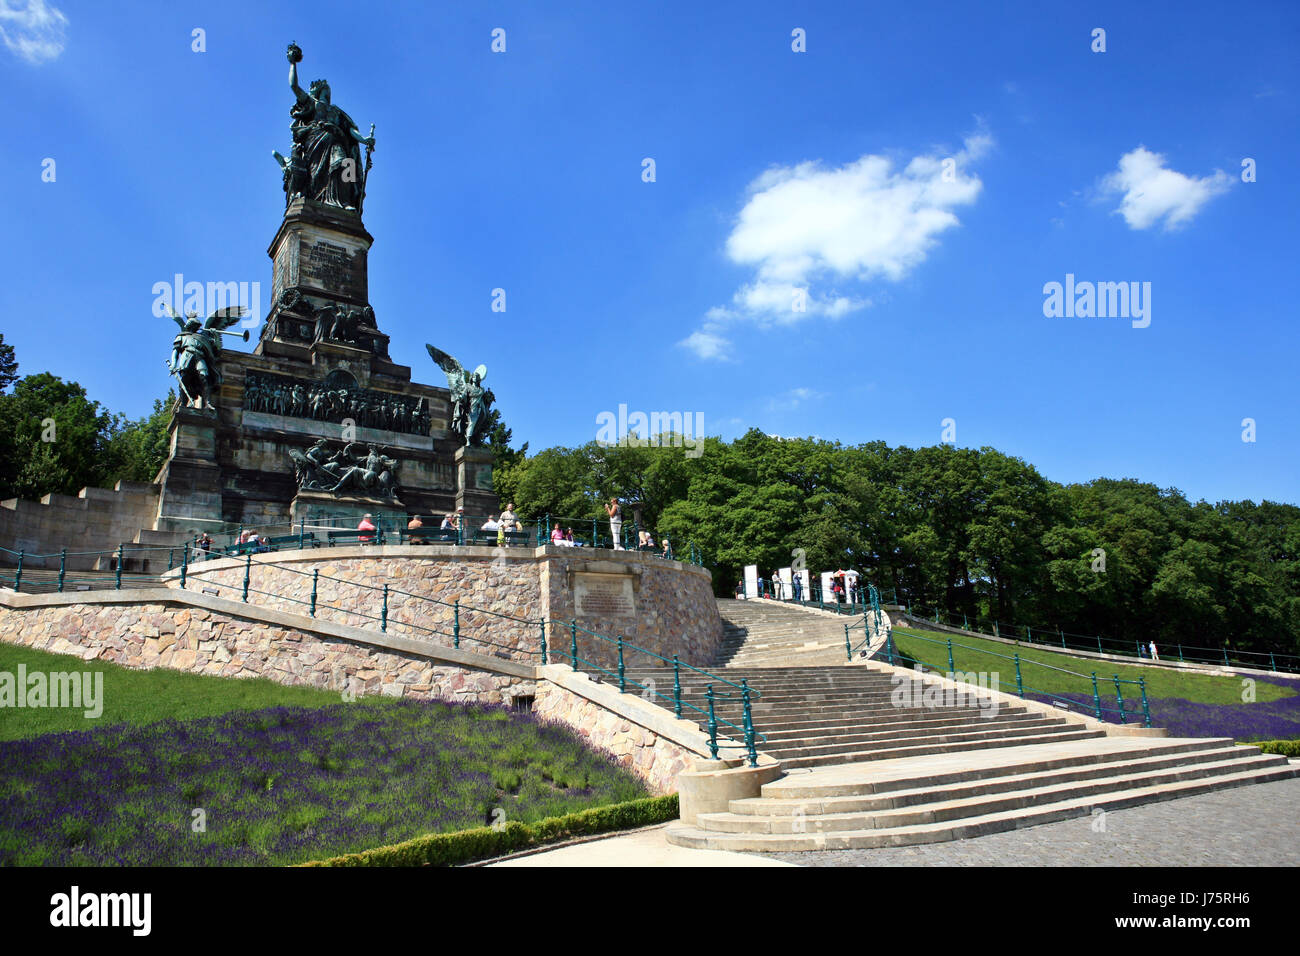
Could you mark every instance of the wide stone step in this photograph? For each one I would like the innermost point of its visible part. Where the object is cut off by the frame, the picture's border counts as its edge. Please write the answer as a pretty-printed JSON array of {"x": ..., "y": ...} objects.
[
  {"x": 903, "y": 720},
  {"x": 920, "y": 748},
  {"x": 993, "y": 822},
  {"x": 1017, "y": 777},
  {"x": 956, "y": 734},
  {"x": 778, "y": 739}
]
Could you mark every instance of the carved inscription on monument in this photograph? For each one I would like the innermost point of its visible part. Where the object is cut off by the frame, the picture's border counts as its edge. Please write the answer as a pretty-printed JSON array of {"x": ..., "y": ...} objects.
[
  {"x": 333, "y": 267},
  {"x": 603, "y": 595}
]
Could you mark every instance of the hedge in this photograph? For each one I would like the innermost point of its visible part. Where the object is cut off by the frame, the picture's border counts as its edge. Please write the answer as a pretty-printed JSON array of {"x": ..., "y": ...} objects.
[
  {"x": 1287, "y": 748},
  {"x": 467, "y": 846}
]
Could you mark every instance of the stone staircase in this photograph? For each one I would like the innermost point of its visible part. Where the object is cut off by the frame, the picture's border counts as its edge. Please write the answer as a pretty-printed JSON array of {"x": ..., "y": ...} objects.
[
  {"x": 867, "y": 764},
  {"x": 763, "y": 633},
  {"x": 824, "y": 716}
]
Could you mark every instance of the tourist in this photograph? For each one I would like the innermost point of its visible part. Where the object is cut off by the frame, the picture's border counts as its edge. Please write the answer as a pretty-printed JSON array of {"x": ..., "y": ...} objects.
[
  {"x": 204, "y": 543},
  {"x": 740, "y": 590},
  {"x": 412, "y": 525},
  {"x": 557, "y": 536},
  {"x": 507, "y": 523},
  {"x": 365, "y": 524},
  {"x": 776, "y": 586},
  {"x": 668, "y": 550},
  {"x": 448, "y": 527},
  {"x": 569, "y": 539},
  {"x": 491, "y": 524},
  {"x": 798, "y": 586},
  {"x": 1155, "y": 655},
  {"x": 615, "y": 522}
]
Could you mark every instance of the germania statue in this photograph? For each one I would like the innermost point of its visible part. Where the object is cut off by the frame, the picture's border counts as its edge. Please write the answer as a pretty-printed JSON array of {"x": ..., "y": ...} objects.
[{"x": 324, "y": 164}]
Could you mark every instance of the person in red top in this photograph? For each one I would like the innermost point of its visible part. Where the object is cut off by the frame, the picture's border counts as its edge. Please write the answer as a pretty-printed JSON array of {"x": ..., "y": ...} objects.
[{"x": 366, "y": 525}]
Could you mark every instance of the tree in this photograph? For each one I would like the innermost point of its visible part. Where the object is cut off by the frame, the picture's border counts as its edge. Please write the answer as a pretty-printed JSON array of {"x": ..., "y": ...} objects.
[{"x": 8, "y": 364}]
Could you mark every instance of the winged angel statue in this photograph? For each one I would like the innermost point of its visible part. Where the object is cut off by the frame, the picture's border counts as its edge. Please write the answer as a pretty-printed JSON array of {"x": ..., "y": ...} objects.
[
  {"x": 195, "y": 352},
  {"x": 469, "y": 399}
]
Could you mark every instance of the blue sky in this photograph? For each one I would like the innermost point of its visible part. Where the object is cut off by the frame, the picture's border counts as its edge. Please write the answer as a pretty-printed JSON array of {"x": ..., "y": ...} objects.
[{"x": 775, "y": 171}]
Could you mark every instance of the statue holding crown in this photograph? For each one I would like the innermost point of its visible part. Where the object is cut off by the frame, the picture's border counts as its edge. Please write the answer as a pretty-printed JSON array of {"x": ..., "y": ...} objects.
[{"x": 325, "y": 162}]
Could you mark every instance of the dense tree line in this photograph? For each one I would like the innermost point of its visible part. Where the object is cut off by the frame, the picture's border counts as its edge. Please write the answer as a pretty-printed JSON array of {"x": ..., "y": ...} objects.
[
  {"x": 54, "y": 438},
  {"x": 969, "y": 531}
]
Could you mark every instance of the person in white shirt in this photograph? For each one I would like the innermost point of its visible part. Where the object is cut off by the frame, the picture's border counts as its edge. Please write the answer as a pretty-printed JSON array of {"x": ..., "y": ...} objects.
[{"x": 491, "y": 524}]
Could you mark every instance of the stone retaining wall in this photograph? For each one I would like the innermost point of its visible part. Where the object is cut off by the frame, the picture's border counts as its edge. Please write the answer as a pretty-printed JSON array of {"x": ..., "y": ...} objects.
[
  {"x": 164, "y": 634},
  {"x": 675, "y": 612}
]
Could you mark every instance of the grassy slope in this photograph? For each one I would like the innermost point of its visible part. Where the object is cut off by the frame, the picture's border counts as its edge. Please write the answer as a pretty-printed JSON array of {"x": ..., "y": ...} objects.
[
  {"x": 1160, "y": 682},
  {"x": 143, "y": 696}
]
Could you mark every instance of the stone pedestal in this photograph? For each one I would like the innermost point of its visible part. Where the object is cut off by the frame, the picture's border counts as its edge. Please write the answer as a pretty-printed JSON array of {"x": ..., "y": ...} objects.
[
  {"x": 474, "y": 481},
  {"x": 190, "y": 480},
  {"x": 345, "y": 510}
]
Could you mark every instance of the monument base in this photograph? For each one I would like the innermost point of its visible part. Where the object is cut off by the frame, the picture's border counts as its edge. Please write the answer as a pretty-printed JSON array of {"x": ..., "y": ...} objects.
[
  {"x": 345, "y": 511},
  {"x": 474, "y": 481}
]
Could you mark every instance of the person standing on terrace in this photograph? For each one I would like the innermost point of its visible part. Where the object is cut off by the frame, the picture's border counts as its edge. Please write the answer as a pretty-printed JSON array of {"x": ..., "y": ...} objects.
[{"x": 615, "y": 522}]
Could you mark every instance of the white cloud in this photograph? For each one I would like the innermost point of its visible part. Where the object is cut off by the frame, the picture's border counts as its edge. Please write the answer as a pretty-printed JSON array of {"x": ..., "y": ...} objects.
[
  {"x": 1153, "y": 192},
  {"x": 32, "y": 30},
  {"x": 793, "y": 398},
  {"x": 806, "y": 228}
]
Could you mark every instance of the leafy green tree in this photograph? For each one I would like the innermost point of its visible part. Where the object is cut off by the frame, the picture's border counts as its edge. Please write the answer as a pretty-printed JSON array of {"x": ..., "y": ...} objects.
[{"x": 8, "y": 364}]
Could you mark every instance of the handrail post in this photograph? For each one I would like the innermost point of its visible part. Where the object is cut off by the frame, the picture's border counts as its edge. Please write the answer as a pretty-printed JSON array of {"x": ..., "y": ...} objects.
[
  {"x": 622, "y": 680},
  {"x": 542, "y": 625},
  {"x": 951, "y": 669},
  {"x": 315, "y": 575},
  {"x": 1225, "y": 655},
  {"x": 995, "y": 629},
  {"x": 63, "y": 562},
  {"x": 18, "y": 575},
  {"x": 302, "y": 527},
  {"x": 1062, "y": 633},
  {"x": 748, "y": 724},
  {"x": 455, "y": 622},
  {"x": 1096, "y": 697},
  {"x": 889, "y": 647},
  {"x": 171, "y": 557},
  {"x": 1180, "y": 653},
  {"x": 1099, "y": 650},
  {"x": 383, "y": 612},
  {"x": 1029, "y": 634},
  {"x": 677, "y": 688},
  {"x": 119, "y": 568},
  {"x": 713, "y": 722},
  {"x": 848, "y": 649},
  {"x": 1146, "y": 709},
  {"x": 185, "y": 563},
  {"x": 1020, "y": 684},
  {"x": 1271, "y": 664},
  {"x": 1119, "y": 697},
  {"x": 248, "y": 567},
  {"x": 573, "y": 644}
]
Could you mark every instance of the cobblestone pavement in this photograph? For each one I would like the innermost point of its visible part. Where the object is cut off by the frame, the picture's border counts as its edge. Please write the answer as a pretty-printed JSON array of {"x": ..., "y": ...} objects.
[{"x": 1257, "y": 825}]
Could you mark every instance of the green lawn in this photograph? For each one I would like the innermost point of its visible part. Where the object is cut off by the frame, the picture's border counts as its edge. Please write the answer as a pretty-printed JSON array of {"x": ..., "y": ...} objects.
[
  {"x": 143, "y": 696},
  {"x": 975, "y": 654}
]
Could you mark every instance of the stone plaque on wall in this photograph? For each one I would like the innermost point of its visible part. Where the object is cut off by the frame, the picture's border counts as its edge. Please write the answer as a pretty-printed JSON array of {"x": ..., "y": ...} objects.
[{"x": 603, "y": 595}]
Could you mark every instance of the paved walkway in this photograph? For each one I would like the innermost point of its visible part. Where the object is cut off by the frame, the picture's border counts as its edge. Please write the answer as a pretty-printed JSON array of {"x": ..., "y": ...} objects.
[
  {"x": 1257, "y": 825},
  {"x": 642, "y": 848}
]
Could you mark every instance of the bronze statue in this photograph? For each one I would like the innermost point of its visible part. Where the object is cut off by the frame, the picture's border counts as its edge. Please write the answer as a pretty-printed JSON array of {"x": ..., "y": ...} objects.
[
  {"x": 470, "y": 401},
  {"x": 196, "y": 351},
  {"x": 346, "y": 470},
  {"x": 324, "y": 164}
]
